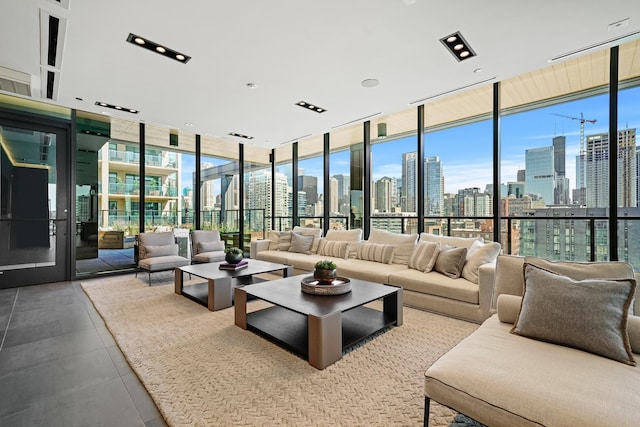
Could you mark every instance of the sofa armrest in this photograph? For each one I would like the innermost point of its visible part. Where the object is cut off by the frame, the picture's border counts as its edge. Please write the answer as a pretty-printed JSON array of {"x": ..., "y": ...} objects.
[
  {"x": 259, "y": 246},
  {"x": 486, "y": 281}
]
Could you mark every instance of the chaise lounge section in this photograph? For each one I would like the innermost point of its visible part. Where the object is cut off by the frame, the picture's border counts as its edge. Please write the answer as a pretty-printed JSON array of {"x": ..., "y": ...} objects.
[{"x": 500, "y": 378}]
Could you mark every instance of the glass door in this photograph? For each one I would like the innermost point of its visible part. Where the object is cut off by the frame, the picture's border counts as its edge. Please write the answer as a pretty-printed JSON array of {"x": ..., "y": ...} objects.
[{"x": 34, "y": 208}]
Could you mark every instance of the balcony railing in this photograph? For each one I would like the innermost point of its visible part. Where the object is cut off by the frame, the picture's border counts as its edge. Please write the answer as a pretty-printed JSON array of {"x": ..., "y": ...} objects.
[
  {"x": 131, "y": 157},
  {"x": 134, "y": 190}
]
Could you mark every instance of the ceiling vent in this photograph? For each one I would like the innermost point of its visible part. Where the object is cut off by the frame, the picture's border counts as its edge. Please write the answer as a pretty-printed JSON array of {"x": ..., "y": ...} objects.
[{"x": 15, "y": 81}]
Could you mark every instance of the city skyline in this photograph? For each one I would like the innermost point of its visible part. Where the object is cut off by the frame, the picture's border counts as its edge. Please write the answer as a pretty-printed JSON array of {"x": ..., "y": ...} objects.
[{"x": 519, "y": 132}]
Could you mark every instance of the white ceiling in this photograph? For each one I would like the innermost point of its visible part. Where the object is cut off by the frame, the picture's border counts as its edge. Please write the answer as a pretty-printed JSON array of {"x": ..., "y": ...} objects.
[{"x": 293, "y": 50}]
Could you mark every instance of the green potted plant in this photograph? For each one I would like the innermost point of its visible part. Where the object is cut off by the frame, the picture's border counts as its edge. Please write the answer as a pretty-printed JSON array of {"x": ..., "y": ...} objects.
[
  {"x": 325, "y": 271},
  {"x": 233, "y": 255}
]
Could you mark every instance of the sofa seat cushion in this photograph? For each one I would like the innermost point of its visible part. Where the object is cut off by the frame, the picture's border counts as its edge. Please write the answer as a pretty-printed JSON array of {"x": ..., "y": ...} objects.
[
  {"x": 501, "y": 379},
  {"x": 368, "y": 270},
  {"x": 213, "y": 256},
  {"x": 274, "y": 256},
  {"x": 434, "y": 283},
  {"x": 163, "y": 263},
  {"x": 304, "y": 262}
]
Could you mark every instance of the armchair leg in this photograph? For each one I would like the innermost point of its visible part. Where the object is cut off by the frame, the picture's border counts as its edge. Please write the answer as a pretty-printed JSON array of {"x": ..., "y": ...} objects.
[
  {"x": 427, "y": 404},
  {"x": 149, "y": 277}
]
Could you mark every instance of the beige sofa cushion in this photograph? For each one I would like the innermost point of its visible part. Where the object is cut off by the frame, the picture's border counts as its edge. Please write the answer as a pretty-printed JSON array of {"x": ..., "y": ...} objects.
[
  {"x": 450, "y": 261},
  {"x": 437, "y": 284},
  {"x": 459, "y": 242},
  {"x": 354, "y": 235},
  {"x": 368, "y": 270},
  {"x": 376, "y": 252},
  {"x": 424, "y": 256},
  {"x": 501, "y": 379},
  {"x": 590, "y": 315},
  {"x": 404, "y": 243},
  {"x": 478, "y": 254}
]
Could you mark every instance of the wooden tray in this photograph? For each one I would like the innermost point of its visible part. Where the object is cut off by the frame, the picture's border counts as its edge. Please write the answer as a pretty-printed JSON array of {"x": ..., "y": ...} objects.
[{"x": 339, "y": 286}]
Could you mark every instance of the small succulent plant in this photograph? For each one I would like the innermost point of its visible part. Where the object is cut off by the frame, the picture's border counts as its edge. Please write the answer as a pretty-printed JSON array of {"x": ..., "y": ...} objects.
[
  {"x": 234, "y": 250},
  {"x": 325, "y": 265}
]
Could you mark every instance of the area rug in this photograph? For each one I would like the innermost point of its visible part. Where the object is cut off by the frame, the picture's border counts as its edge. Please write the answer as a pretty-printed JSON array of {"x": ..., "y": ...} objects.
[{"x": 202, "y": 370}]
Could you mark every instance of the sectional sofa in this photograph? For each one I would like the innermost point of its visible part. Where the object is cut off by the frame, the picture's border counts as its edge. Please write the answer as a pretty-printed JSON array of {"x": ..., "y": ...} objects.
[
  {"x": 447, "y": 275},
  {"x": 561, "y": 355}
]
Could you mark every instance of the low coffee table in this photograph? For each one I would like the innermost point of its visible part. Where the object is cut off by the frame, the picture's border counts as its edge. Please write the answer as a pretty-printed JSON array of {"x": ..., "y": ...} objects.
[
  {"x": 318, "y": 327},
  {"x": 217, "y": 293}
]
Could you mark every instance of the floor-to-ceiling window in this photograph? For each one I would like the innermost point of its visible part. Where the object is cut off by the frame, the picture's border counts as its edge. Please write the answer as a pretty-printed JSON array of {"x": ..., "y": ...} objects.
[
  {"x": 394, "y": 172},
  {"x": 311, "y": 196},
  {"x": 458, "y": 165},
  {"x": 257, "y": 194},
  {"x": 555, "y": 160},
  {"x": 283, "y": 187},
  {"x": 629, "y": 154}
]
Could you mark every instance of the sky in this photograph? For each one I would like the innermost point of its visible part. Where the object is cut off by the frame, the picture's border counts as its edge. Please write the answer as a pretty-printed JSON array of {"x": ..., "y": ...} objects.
[{"x": 466, "y": 151}]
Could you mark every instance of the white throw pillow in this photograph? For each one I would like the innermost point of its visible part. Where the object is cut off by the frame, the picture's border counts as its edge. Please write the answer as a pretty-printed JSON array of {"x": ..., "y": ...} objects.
[
  {"x": 478, "y": 254},
  {"x": 404, "y": 243}
]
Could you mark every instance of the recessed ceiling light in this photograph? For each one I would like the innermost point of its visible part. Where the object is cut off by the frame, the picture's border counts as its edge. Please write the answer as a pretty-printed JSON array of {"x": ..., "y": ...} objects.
[
  {"x": 188, "y": 124},
  {"x": 477, "y": 70},
  {"x": 161, "y": 49},
  {"x": 370, "y": 82},
  {"x": 239, "y": 135},
  {"x": 311, "y": 107},
  {"x": 116, "y": 107},
  {"x": 458, "y": 46},
  {"x": 252, "y": 85},
  {"x": 79, "y": 99}
]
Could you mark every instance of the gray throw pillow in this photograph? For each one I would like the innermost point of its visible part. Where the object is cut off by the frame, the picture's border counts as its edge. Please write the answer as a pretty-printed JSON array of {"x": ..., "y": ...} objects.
[
  {"x": 210, "y": 246},
  {"x": 161, "y": 250},
  {"x": 589, "y": 315},
  {"x": 301, "y": 244},
  {"x": 450, "y": 261}
]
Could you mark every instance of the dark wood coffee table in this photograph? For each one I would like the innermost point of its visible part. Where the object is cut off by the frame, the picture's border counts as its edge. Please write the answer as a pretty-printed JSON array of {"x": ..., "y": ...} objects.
[
  {"x": 217, "y": 293},
  {"x": 318, "y": 327}
]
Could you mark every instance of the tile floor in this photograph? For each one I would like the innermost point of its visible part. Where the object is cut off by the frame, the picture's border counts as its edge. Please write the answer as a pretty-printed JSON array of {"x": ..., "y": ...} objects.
[{"x": 59, "y": 365}]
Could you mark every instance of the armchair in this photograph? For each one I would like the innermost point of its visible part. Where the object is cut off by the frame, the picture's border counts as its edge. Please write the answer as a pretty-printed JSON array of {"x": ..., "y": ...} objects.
[
  {"x": 206, "y": 246},
  {"x": 158, "y": 252}
]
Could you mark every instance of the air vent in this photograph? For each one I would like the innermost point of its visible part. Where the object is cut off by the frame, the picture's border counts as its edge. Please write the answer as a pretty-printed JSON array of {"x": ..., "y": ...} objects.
[{"x": 15, "y": 81}]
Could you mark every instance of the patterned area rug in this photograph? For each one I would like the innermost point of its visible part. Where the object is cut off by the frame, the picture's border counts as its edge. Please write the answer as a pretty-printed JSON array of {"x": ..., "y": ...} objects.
[{"x": 201, "y": 369}]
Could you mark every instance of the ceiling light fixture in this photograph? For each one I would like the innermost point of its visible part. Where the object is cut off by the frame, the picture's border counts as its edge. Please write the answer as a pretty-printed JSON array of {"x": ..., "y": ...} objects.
[
  {"x": 311, "y": 107},
  {"x": 158, "y": 48},
  {"x": 370, "y": 82},
  {"x": 239, "y": 135},
  {"x": 458, "y": 46},
  {"x": 116, "y": 107}
]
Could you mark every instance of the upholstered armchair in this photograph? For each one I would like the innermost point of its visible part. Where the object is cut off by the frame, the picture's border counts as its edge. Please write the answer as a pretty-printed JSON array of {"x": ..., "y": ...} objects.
[
  {"x": 206, "y": 246},
  {"x": 158, "y": 252}
]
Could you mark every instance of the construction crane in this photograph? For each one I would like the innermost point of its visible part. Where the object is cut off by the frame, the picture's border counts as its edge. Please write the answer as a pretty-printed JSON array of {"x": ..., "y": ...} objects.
[
  {"x": 583, "y": 154},
  {"x": 582, "y": 121}
]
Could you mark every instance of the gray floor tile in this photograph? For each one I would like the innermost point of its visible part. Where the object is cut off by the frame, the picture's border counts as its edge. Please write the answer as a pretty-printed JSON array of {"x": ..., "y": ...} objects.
[
  {"x": 119, "y": 361},
  {"x": 34, "y": 353},
  {"x": 34, "y": 325},
  {"x": 60, "y": 376},
  {"x": 106, "y": 337},
  {"x": 106, "y": 404},
  {"x": 146, "y": 406},
  {"x": 156, "y": 422}
]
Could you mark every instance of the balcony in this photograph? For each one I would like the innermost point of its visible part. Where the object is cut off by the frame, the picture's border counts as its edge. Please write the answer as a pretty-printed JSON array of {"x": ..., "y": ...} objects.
[{"x": 153, "y": 160}]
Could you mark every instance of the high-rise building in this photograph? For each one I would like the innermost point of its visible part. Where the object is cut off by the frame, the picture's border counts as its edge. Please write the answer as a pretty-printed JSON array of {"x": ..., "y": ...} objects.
[
  {"x": 597, "y": 170},
  {"x": 561, "y": 191},
  {"x": 540, "y": 173},
  {"x": 334, "y": 196},
  {"x": 309, "y": 184},
  {"x": 627, "y": 168},
  {"x": 433, "y": 186},
  {"x": 521, "y": 175},
  {"x": 637, "y": 178},
  {"x": 383, "y": 194},
  {"x": 259, "y": 199},
  {"x": 409, "y": 187}
]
